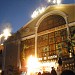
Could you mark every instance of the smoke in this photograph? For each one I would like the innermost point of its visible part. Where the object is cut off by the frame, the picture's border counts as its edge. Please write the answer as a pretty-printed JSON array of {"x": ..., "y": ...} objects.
[
  {"x": 5, "y": 30},
  {"x": 6, "y": 26}
]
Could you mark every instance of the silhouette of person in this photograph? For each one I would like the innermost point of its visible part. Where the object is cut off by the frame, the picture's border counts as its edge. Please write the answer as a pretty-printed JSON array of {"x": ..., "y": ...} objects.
[
  {"x": 53, "y": 72},
  {"x": 39, "y": 73}
]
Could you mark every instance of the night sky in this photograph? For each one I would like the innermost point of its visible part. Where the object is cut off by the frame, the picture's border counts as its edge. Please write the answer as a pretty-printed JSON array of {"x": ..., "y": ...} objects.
[{"x": 16, "y": 13}]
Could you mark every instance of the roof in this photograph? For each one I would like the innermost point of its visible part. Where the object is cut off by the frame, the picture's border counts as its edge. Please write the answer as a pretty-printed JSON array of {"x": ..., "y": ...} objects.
[{"x": 69, "y": 9}]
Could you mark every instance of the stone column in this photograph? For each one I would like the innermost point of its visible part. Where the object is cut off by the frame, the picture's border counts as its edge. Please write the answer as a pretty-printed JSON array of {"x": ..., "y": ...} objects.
[
  {"x": 36, "y": 41},
  {"x": 68, "y": 30},
  {"x": 69, "y": 37},
  {"x": 18, "y": 56},
  {"x": 4, "y": 58}
]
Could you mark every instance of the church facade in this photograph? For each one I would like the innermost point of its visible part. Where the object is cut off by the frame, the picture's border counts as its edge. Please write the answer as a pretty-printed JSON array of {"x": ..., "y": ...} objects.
[{"x": 49, "y": 36}]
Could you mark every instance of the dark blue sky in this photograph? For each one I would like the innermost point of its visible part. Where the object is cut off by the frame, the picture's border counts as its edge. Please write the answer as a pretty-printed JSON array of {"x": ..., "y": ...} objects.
[{"x": 17, "y": 13}]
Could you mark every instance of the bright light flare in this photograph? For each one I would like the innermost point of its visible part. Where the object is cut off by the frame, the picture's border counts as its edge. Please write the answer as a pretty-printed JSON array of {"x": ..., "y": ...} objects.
[
  {"x": 32, "y": 65},
  {"x": 1, "y": 35},
  {"x": 2, "y": 44},
  {"x": 37, "y": 12},
  {"x": 6, "y": 33},
  {"x": 49, "y": 0},
  {"x": 0, "y": 71},
  {"x": 58, "y": 2},
  {"x": 54, "y": 1},
  {"x": 41, "y": 10}
]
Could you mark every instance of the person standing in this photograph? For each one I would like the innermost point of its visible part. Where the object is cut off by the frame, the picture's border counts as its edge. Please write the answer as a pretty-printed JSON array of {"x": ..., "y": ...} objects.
[
  {"x": 53, "y": 72},
  {"x": 39, "y": 73}
]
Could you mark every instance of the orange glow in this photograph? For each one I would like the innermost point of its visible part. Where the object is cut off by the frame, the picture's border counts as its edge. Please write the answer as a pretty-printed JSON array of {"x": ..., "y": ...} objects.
[{"x": 34, "y": 66}]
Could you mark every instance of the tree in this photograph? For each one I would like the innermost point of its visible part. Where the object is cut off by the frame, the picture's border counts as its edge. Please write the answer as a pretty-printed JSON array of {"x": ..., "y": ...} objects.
[{"x": 70, "y": 46}]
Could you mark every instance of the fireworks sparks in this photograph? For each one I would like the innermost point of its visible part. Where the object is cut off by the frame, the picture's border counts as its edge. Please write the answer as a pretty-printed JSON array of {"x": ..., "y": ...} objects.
[
  {"x": 54, "y": 1},
  {"x": 6, "y": 32},
  {"x": 37, "y": 12},
  {"x": 42, "y": 9}
]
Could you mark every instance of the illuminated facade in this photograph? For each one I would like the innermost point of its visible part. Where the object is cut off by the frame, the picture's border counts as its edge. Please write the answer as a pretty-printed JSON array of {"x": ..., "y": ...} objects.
[{"x": 44, "y": 37}]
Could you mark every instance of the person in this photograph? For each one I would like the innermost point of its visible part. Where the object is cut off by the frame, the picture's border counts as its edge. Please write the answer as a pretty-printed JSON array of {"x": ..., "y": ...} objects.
[
  {"x": 58, "y": 71},
  {"x": 53, "y": 72},
  {"x": 39, "y": 73},
  {"x": 67, "y": 72}
]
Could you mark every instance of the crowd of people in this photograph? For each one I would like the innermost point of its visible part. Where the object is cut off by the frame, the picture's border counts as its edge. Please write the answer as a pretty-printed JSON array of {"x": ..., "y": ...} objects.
[{"x": 54, "y": 72}]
